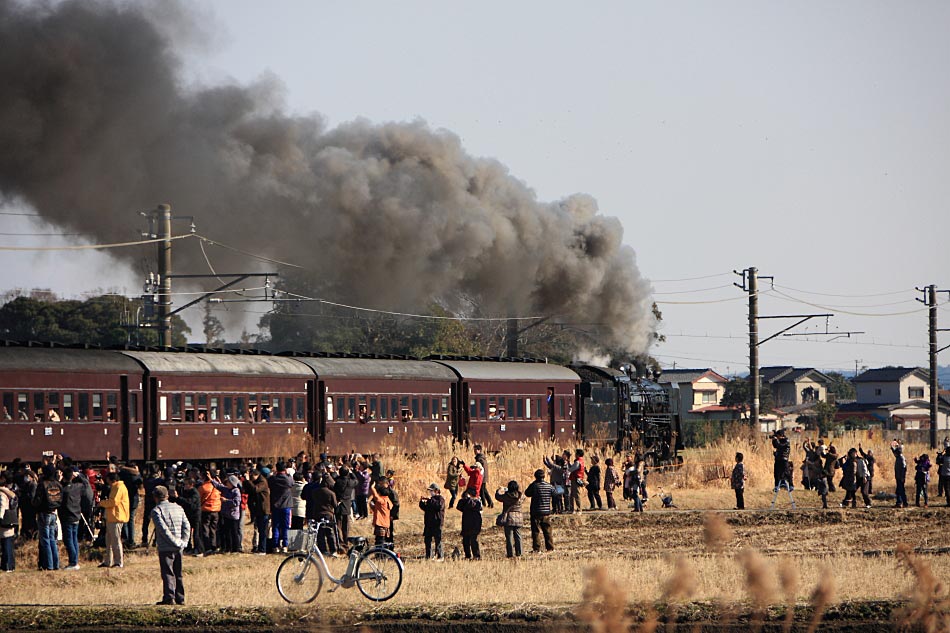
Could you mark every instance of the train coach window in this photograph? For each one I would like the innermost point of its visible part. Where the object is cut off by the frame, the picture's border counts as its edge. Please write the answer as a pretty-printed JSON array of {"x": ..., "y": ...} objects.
[
  {"x": 393, "y": 408},
  {"x": 561, "y": 408},
  {"x": 133, "y": 407},
  {"x": 239, "y": 408},
  {"x": 176, "y": 407},
  {"x": 301, "y": 411},
  {"x": 7, "y": 406},
  {"x": 68, "y": 413},
  {"x": 213, "y": 409},
  {"x": 520, "y": 412},
  {"x": 288, "y": 409},
  {"x": 38, "y": 405},
  {"x": 52, "y": 401},
  {"x": 425, "y": 408},
  {"x": 511, "y": 407},
  {"x": 415, "y": 409},
  {"x": 435, "y": 409},
  {"x": 351, "y": 408},
  {"x": 97, "y": 406},
  {"x": 341, "y": 409},
  {"x": 483, "y": 408},
  {"x": 384, "y": 408},
  {"x": 275, "y": 409},
  {"x": 227, "y": 405},
  {"x": 111, "y": 408},
  {"x": 83, "y": 412},
  {"x": 22, "y": 408},
  {"x": 445, "y": 404},
  {"x": 363, "y": 414}
]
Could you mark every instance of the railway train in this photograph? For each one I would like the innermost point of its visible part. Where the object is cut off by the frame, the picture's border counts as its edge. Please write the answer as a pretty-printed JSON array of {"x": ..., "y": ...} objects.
[{"x": 199, "y": 404}]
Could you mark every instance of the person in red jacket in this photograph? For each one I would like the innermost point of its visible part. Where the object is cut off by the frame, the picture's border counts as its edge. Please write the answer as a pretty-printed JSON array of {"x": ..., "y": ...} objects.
[
  {"x": 578, "y": 479},
  {"x": 475, "y": 478}
]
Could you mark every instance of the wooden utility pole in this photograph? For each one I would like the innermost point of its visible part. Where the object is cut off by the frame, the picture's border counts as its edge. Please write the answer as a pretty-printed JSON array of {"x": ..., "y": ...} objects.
[
  {"x": 930, "y": 300},
  {"x": 164, "y": 221}
]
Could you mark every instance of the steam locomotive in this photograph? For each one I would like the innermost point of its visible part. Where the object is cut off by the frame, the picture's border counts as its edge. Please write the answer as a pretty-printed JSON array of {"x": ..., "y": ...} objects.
[{"x": 202, "y": 404}]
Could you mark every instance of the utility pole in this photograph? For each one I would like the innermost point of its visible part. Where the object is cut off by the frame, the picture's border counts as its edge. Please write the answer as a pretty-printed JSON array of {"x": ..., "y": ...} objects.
[
  {"x": 750, "y": 283},
  {"x": 164, "y": 213},
  {"x": 930, "y": 300}
]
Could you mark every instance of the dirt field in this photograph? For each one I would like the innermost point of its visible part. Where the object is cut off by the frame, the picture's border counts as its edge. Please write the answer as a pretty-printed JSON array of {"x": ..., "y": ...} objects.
[{"x": 692, "y": 561}]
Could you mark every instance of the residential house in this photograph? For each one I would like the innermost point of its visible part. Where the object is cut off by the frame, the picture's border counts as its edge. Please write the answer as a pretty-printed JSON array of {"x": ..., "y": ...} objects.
[
  {"x": 892, "y": 385},
  {"x": 698, "y": 393},
  {"x": 898, "y": 398},
  {"x": 791, "y": 386}
]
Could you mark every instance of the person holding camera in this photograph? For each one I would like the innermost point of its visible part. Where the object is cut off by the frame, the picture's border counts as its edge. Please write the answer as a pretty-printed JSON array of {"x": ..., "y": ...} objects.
[
  {"x": 578, "y": 480},
  {"x": 434, "y": 511},
  {"x": 900, "y": 473},
  {"x": 471, "y": 508},
  {"x": 782, "y": 454},
  {"x": 511, "y": 517},
  {"x": 540, "y": 493}
]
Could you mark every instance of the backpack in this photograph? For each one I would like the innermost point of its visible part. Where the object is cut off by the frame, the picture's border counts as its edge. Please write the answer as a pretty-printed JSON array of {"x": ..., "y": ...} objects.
[
  {"x": 861, "y": 468},
  {"x": 54, "y": 494},
  {"x": 9, "y": 518}
]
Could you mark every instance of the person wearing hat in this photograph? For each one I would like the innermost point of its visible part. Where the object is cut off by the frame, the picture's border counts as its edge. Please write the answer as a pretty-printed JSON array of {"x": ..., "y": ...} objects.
[
  {"x": 540, "y": 493},
  {"x": 434, "y": 509},
  {"x": 47, "y": 500},
  {"x": 172, "y": 530},
  {"x": 230, "y": 514},
  {"x": 117, "y": 514}
]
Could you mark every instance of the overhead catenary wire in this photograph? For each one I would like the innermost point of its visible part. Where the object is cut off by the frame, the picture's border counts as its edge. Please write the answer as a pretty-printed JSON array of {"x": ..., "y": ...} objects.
[
  {"x": 846, "y": 296},
  {"x": 670, "y": 281},
  {"x": 249, "y": 254},
  {"x": 788, "y": 297},
  {"x": 92, "y": 247}
]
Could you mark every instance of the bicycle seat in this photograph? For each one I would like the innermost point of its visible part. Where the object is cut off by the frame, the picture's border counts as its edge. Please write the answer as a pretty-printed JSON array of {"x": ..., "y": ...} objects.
[{"x": 356, "y": 540}]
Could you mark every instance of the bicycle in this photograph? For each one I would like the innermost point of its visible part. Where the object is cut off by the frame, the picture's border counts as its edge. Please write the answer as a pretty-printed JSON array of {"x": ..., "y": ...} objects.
[{"x": 376, "y": 571}]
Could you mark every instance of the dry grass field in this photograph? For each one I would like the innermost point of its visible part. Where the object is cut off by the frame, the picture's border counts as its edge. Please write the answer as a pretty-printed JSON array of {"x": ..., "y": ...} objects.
[{"x": 701, "y": 552}]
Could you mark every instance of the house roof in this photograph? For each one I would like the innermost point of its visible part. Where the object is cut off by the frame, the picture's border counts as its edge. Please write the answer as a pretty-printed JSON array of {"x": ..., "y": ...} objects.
[
  {"x": 670, "y": 376},
  {"x": 892, "y": 374},
  {"x": 785, "y": 373}
]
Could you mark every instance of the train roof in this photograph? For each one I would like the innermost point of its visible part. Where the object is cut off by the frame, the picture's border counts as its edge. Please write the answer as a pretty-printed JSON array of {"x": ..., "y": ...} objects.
[
  {"x": 201, "y": 363},
  {"x": 382, "y": 368},
  {"x": 64, "y": 359},
  {"x": 505, "y": 370}
]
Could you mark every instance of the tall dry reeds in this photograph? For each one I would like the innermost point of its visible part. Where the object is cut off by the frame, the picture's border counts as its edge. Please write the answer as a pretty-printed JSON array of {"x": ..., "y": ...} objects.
[
  {"x": 604, "y": 604},
  {"x": 929, "y": 606}
]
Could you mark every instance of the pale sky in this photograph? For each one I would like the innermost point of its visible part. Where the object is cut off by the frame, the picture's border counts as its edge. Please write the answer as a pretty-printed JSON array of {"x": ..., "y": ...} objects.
[{"x": 808, "y": 139}]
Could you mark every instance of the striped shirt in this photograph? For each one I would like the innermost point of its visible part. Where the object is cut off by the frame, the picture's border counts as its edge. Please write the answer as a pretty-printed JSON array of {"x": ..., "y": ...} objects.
[{"x": 540, "y": 493}]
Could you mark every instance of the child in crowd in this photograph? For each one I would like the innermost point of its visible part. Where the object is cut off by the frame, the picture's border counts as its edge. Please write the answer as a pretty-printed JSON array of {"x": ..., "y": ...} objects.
[{"x": 738, "y": 481}]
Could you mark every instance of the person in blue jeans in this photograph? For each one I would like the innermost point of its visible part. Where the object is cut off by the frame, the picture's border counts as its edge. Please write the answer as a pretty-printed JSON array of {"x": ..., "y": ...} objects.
[
  {"x": 75, "y": 491},
  {"x": 47, "y": 500},
  {"x": 281, "y": 498},
  {"x": 7, "y": 534}
]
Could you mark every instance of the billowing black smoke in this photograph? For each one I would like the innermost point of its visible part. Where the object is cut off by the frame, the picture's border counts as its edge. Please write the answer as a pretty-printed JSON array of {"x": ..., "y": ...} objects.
[{"x": 97, "y": 124}]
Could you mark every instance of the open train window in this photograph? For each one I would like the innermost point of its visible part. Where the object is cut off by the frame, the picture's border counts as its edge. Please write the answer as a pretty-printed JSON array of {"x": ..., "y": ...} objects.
[
  {"x": 289, "y": 408},
  {"x": 176, "y": 407},
  {"x": 362, "y": 413},
  {"x": 483, "y": 408},
  {"x": 227, "y": 402},
  {"x": 275, "y": 409},
  {"x": 23, "y": 412},
  {"x": 239, "y": 408},
  {"x": 264, "y": 412},
  {"x": 351, "y": 408},
  {"x": 415, "y": 409},
  {"x": 68, "y": 413},
  {"x": 202, "y": 407},
  {"x": 301, "y": 412},
  {"x": 425, "y": 408},
  {"x": 7, "y": 406},
  {"x": 393, "y": 408},
  {"x": 52, "y": 401},
  {"x": 384, "y": 408},
  {"x": 38, "y": 406},
  {"x": 97, "y": 406},
  {"x": 406, "y": 415},
  {"x": 83, "y": 406},
  {"x": 111, "y": 407}
]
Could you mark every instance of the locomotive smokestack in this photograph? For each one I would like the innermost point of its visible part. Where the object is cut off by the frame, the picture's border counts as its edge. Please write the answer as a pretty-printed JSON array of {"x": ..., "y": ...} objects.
[{"x": 96, "y": 122}]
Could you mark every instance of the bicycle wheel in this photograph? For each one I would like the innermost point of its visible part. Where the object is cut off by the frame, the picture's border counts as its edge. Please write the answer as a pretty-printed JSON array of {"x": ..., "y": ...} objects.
[
  {"x": 379, "y": 574},
  {"x": 299, "y": 579}
]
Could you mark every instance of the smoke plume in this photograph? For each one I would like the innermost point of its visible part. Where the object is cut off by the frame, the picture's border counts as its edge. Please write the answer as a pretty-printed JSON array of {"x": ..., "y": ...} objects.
[{"x": 96, "y": 124}]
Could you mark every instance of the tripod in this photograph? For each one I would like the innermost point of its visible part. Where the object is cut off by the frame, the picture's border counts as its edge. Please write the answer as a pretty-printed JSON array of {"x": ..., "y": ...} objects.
[{"x": 783, "y": 484}]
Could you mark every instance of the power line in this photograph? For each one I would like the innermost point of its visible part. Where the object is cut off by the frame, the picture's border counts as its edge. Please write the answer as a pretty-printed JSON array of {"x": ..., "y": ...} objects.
[
  {"x": 741, "y": 298},
  {"x": 15, "y": 213},
  {"x": 781, "y": 294},
  {"x": 85, "y": 247},
  {"x": 43, "y": 234},
  {"x": 847, "y": 296},
  {"x": 243, "y": 252},
  {"x": 684, "y": 292},
  {"x": 664, "y": 281}
]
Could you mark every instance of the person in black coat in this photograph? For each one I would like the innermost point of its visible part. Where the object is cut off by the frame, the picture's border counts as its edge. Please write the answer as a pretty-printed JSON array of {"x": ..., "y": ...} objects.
[
  {"x": 434, "y": 509},
  {"x": 345, "y": 489},
  {"x": 593, "y": 484},
  {"x": 321, "y": 504},
  {"x": 900, "y": 473},
  {"x": 188, "y": 497},
  {"x": 471, "y": 508}
]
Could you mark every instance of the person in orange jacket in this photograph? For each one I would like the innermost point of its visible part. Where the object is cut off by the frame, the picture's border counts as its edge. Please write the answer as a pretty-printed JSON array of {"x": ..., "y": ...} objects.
[
  {"x": 210, "y": 507},
  {"x": 382, "y": 507},
  {"x": 117, "y": 515}
]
